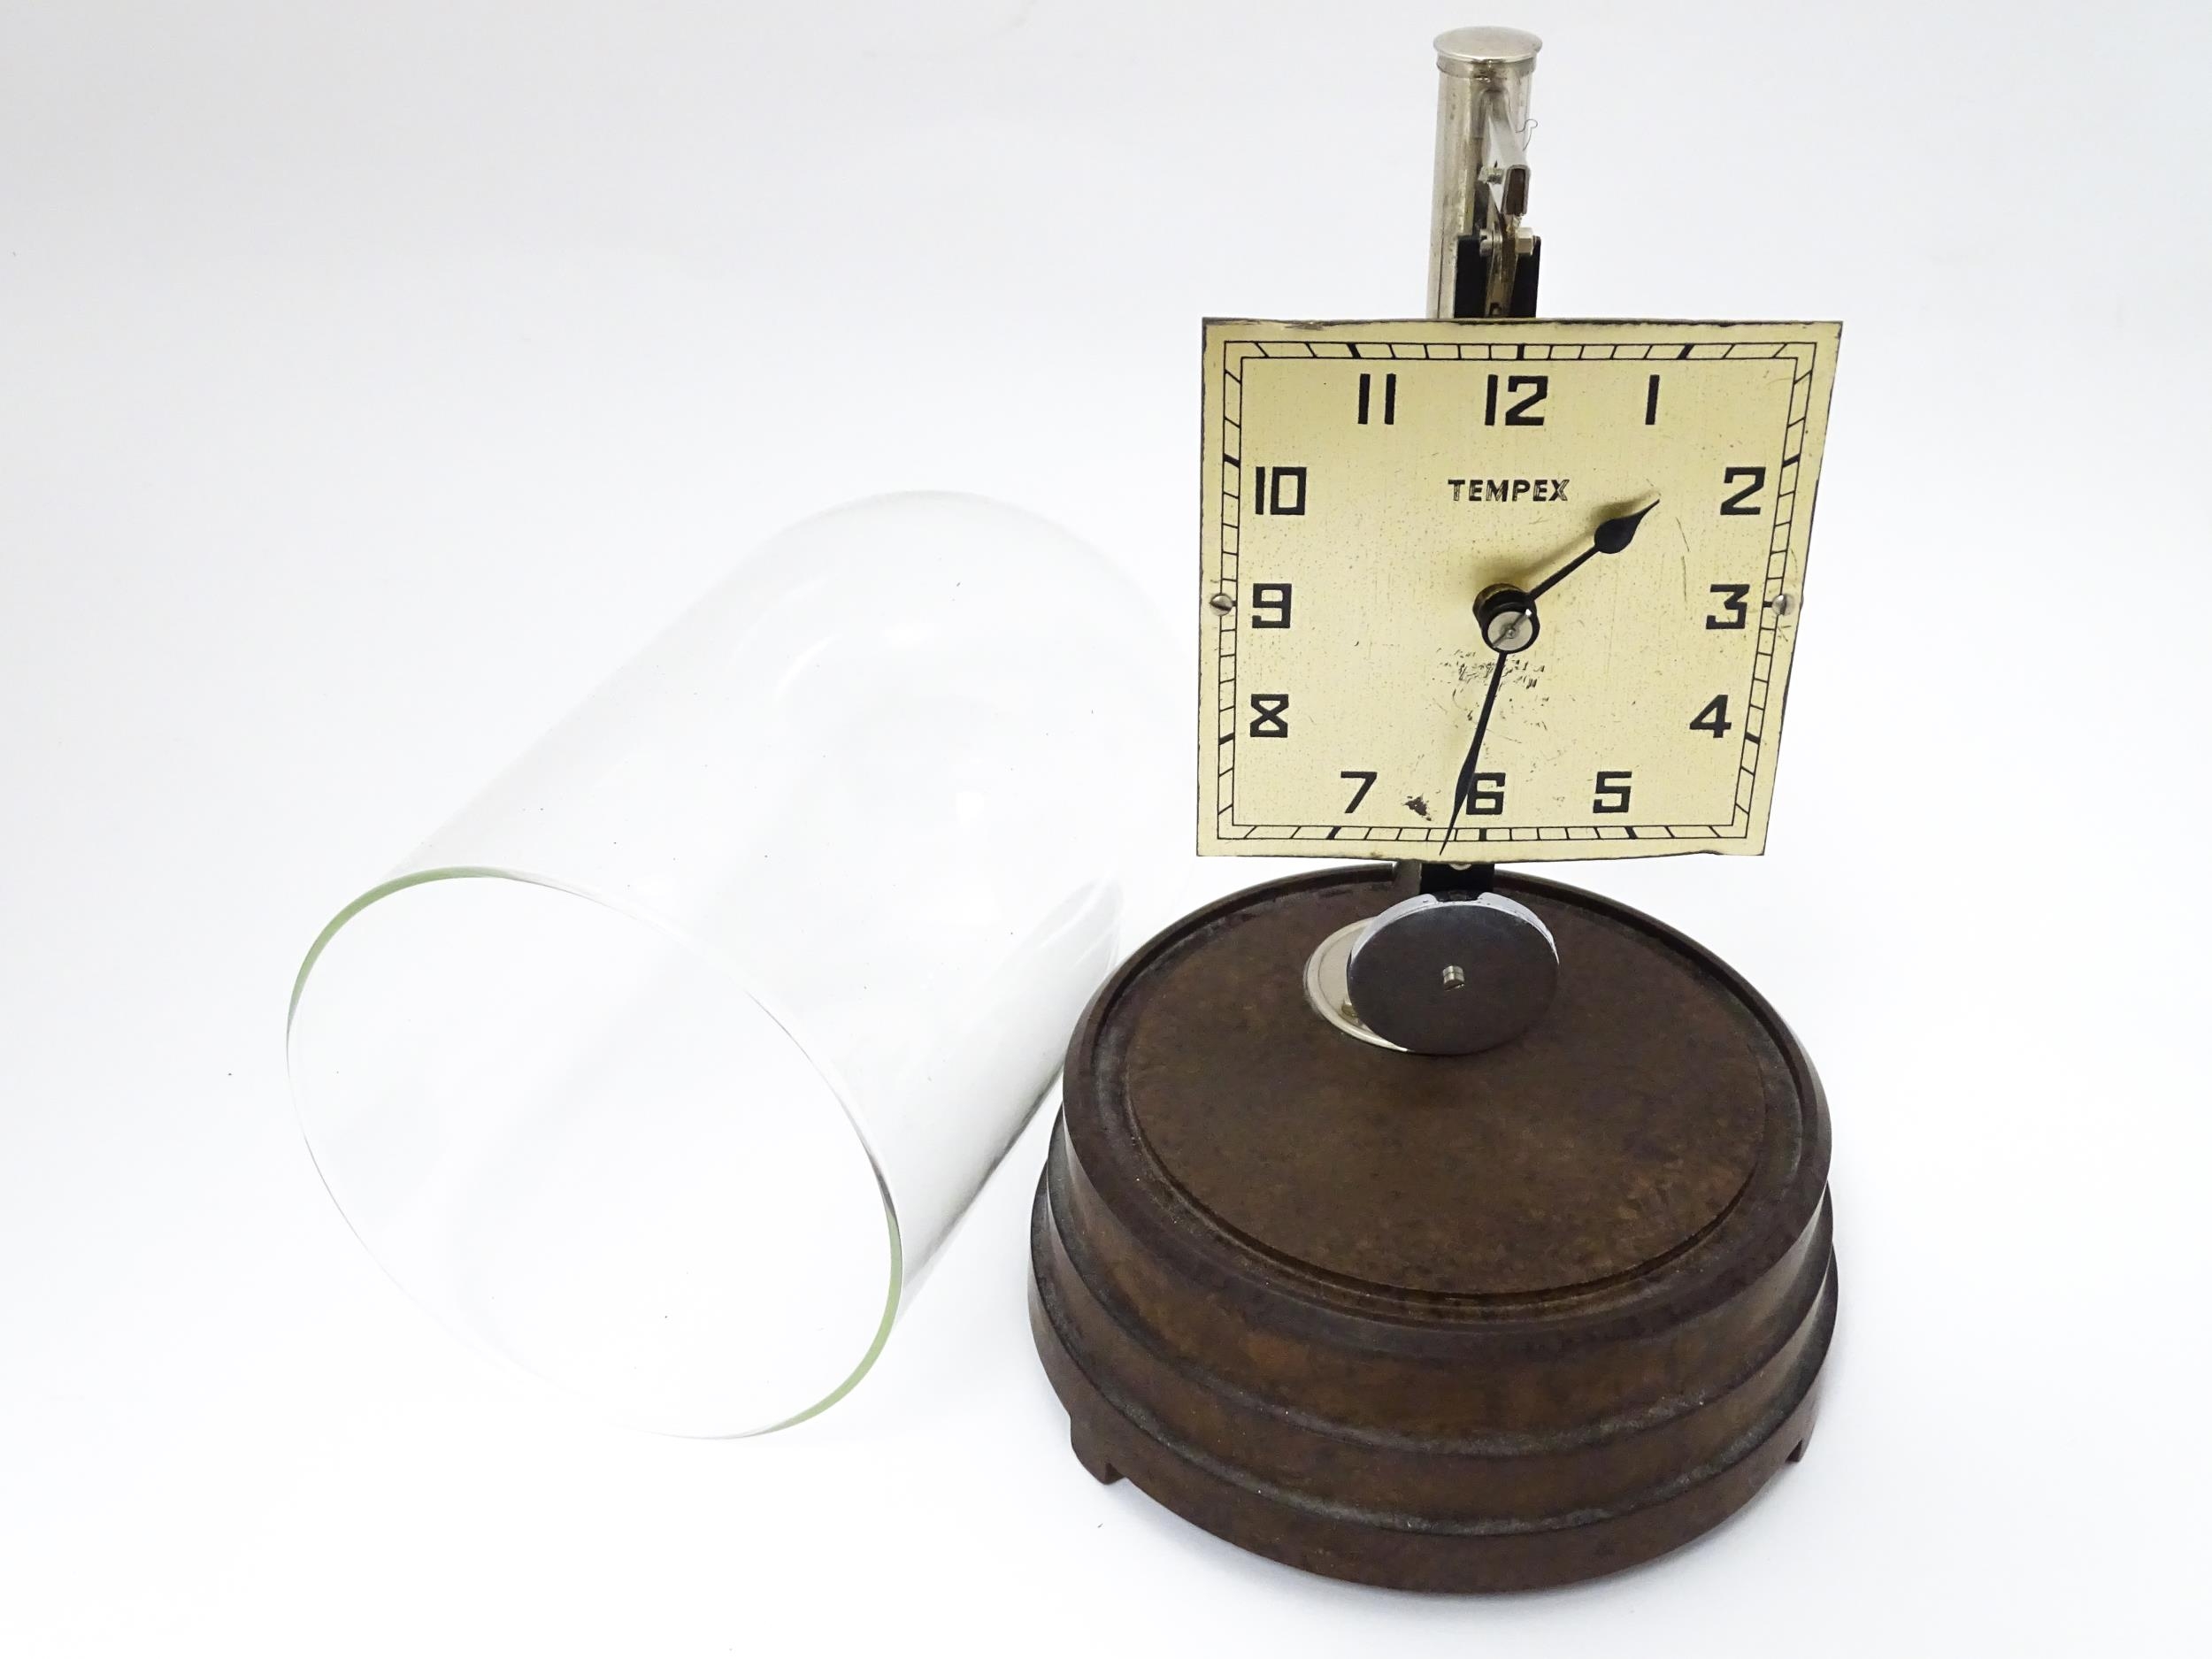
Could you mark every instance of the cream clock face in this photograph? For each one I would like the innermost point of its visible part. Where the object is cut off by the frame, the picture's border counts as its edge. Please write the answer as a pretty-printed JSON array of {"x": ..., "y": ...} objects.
[{"x": 1367, "y": 485}]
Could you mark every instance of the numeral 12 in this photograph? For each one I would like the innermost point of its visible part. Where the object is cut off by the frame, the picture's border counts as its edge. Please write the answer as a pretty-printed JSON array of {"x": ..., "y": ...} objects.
[{"x": 1538, "y": 387}]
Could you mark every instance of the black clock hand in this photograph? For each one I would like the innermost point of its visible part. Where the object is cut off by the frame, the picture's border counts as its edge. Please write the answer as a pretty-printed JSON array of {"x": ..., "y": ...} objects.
[
  {"x": 1463, "y": 790},
  {"x": 1610, "y": 537},
  {"x": 1508, "y": 622}
]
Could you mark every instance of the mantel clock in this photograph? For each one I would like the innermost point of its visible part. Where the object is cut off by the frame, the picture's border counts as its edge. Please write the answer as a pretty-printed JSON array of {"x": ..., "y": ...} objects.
[{"x": 1410, "y": 1220}]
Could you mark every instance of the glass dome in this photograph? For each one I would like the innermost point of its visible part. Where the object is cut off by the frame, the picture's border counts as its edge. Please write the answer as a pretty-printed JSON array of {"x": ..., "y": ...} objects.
[{"x": 665, "y": 1067}]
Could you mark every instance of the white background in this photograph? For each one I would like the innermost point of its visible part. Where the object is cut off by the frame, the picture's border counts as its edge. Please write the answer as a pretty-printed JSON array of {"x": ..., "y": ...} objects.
[{"x": 374, "y": 379}]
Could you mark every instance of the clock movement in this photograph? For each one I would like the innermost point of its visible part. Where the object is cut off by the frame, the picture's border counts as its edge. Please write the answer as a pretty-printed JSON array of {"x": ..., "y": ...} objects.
[{"x": 1409, "y": 1220}]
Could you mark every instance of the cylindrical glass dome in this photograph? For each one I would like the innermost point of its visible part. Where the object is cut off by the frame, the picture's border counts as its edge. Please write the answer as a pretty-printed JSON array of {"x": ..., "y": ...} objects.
[{"x": 666, "y": 1066}]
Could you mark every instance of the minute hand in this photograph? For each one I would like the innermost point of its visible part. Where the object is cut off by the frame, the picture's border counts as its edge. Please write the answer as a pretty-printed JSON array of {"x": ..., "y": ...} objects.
[
  {"x": 1463, "y": 790},
  {"x": 1610, "y": 537}
]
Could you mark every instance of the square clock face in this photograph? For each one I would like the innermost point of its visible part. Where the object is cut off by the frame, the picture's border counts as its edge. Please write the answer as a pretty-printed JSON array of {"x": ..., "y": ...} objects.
[{"x": 1499, "y": 590}]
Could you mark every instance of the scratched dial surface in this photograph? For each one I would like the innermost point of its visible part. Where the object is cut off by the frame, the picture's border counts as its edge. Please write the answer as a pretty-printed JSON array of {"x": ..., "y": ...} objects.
[{"x": 1365, "y": 483}]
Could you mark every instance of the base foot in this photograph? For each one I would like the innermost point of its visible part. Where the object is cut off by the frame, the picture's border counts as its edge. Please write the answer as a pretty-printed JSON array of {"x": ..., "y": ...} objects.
[{"x": 1094, "y": 1459}]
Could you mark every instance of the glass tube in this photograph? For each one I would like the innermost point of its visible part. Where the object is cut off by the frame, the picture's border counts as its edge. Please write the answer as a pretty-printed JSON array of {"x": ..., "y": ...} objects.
[{"x": 665, "y": 1067}]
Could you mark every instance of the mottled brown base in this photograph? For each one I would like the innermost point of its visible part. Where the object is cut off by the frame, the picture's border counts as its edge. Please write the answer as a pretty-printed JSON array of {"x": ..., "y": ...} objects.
[{"x": 1482, "y": 1322}]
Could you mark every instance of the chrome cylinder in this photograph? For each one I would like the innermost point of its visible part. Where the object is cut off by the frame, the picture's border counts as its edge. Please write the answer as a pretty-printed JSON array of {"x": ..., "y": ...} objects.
[{"x": 1481, "y": 181}]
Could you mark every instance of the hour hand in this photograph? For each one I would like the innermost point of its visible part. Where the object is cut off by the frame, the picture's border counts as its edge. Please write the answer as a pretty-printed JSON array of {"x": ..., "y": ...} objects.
[
  {"x": 1616, "y": 534},
  {"x": 1610, "y": 537}
]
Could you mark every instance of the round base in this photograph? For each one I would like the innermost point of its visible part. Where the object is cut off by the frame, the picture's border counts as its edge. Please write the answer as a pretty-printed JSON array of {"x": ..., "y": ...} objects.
[{"x": 1469, "y": 1322}]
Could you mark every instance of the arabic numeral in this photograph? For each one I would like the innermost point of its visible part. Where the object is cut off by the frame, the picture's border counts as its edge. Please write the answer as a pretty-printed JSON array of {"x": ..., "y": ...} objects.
[
  {"x": 1733, "y": 507},
  {"x": 1485, "y": 796},
  {"x": 1389, "y": 399},
  {"x": 1732, "y": 595},
  {"x": 1280, "y": 490},
  {"x": 1271, "y": 604},
  {"x": 1537, "y": 386},
  {"x": 1714, "y": 717}
]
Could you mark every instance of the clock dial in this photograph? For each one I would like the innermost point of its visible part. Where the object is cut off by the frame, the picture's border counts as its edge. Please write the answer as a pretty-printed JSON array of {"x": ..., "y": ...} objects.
[{"x": 1501, "y": 590}]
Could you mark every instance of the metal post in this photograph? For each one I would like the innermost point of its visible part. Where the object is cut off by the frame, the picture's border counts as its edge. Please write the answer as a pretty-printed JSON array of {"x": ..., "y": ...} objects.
[{"x": 1482, "y": 263}]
